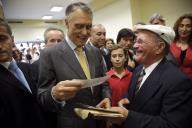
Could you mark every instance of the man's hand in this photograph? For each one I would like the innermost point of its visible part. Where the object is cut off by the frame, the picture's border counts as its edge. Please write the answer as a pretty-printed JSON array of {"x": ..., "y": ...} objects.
[
  {"x": 65, "y": 90},
  {"x": 120, "y": 110},
  {"x": 105, "y": 103},
  {"x": 131, "y": 63},
  {"x": 123, "y": 102}
]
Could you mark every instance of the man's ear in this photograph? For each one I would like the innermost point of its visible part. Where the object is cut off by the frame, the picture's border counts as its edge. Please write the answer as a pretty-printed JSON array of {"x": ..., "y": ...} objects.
[
  {"x": 160, "y": 47},
  {"x": 66, "y": 23},
  {"x": 12, "y": 39}
]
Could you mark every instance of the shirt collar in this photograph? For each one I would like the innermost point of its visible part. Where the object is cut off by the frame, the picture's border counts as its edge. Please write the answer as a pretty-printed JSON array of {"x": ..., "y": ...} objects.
[
  {"x": 89, "y": 42},
  {"x": 149, "y": 69},
  {"x": 6, "y": 64},
  {"x": 111, "y": 72},
  {"x": 70, "y": 43}
]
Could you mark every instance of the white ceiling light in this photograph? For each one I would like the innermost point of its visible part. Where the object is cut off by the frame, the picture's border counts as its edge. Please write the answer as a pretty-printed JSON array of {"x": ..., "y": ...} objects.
[
  {"x": 56, "y": 9},
  {"x": 47, "y": 17}
]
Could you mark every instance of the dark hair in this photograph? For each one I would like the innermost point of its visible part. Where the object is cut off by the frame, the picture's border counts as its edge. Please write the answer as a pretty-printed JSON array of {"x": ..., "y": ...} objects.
[
  {"x": 177, "y": 23},
  {"x": 78, "y": 5},
  {"x": 51, "y": 29},
  {"x": 6, "y": 25},
  {"x": 115, "y": 47},
  {"x": 125, "y": 32},
  {"x": 109, "y": 39}
]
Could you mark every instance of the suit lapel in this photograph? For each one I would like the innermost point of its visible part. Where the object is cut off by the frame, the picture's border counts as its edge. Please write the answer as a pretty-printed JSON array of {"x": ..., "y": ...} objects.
[
  {"x": 31, "y": 84},
  {"x": 90, "y": 58},
  {"x": 133, "y": 83},
  {"x": 68, "y": 56},
  {"x": 149, "y": 87},
  {"x": 11, "y": 80}
]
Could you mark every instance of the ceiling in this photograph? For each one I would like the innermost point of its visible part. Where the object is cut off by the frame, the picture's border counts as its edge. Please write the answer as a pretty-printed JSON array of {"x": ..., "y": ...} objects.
[{"x": 35, "y": 9}]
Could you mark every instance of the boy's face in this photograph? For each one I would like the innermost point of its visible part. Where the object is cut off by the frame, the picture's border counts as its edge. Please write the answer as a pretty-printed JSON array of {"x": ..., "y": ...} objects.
[{"x": 118, "y": 58}]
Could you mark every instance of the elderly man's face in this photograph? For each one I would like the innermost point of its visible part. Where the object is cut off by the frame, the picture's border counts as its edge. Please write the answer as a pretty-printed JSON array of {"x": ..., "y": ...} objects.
[
  {"x": 79, "y": 25},
  {"x": 6, "y": 44},
  {"x": 98, "y": 36},
  {"x": 146, "y": 48}
]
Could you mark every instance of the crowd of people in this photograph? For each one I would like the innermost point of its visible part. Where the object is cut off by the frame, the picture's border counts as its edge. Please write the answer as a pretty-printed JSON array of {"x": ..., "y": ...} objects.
[{"x": 150, "y": 69}]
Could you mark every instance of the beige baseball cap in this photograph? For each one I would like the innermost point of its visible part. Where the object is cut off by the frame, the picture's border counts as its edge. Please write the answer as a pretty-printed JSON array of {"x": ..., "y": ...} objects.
[{"x": 166, "y": 33}]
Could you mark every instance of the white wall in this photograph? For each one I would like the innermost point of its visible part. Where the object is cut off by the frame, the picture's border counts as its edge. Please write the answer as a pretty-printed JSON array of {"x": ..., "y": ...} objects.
[
  {"x": 114, "y": 17},
  {"x": 30, "y": 31},
  {"x": 27, "y": 34}
]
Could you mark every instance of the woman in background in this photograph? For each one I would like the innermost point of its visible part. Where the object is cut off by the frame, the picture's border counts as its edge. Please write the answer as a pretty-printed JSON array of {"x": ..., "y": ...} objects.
[
  {"x": 125, "y": 38},
  {"x": 181, "y": 48}
]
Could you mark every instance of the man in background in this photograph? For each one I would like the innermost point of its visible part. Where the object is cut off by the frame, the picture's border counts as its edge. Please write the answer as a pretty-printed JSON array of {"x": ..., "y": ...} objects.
[
  {"x": 97, "y": 39},
  {"x": 52, "y": 36}
]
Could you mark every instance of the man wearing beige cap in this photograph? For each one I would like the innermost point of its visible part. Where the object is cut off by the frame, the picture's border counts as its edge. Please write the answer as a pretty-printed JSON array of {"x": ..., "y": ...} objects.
[{"x": 160, "y": 95}]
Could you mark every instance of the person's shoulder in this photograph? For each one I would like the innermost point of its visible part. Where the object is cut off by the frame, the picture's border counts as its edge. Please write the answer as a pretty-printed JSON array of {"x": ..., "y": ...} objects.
[
  {"x": 35, "y": 63},
  {"x": 171, "y": 73},
  {"x": 92, "y": 48},
  {"x": 23, "y": 64}
]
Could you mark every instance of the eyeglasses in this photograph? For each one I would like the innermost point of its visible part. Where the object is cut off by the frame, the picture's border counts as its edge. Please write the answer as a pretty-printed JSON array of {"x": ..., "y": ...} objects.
[{"x": 140, "y": 41}]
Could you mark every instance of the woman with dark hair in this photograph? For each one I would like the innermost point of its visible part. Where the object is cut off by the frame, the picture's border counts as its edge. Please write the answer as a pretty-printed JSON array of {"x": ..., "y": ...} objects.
[
  {"x": 181, "y": 48},
  {"x": 125, "y": 39}
]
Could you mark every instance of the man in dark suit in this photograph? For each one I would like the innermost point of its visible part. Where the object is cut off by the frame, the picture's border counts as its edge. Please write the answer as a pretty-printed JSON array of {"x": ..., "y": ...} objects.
[
  {"x": 162, "y": 95},
  {"x": 97, "y": 39},
  {"x": 52, "y": 36},
  {"x": 60, "y": 64},
  {"x": 18, "y": 105}
]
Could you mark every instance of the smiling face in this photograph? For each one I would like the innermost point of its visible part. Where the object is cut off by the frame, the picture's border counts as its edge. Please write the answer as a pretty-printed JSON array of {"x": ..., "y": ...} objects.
[
  {"x": 6, "y": 45},
  {"x": 185, "y": 28},
  {"x": 147, "y": 48},
  {"x": 98, "y": 36},
  {"x": 118, "y": 58},
  {"x": 79, "y": 25}
]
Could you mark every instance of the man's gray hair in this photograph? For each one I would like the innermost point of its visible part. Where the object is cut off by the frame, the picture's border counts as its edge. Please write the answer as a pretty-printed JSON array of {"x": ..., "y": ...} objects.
[
  {"x": 156, "y": 16},
  {"x": 78, "y": 5},
  {"x": 52, "y": 29}
]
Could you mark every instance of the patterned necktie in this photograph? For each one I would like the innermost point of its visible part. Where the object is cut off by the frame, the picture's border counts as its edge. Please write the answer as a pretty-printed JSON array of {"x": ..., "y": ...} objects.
[
  {"x": 139, "y": 81},
  {"x": 14, "y": 69},
  {"x": 83, "y": 62}
]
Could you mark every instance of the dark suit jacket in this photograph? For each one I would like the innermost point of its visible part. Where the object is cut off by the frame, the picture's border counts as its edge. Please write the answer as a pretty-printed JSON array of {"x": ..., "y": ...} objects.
[
  {"x": 18, "y": 107},
  {"x": 35, "y": 70},
  {"x": 50, "y": 117},
  {"x": 59, "y": 63},
  {"x": 164, "y": 100}
]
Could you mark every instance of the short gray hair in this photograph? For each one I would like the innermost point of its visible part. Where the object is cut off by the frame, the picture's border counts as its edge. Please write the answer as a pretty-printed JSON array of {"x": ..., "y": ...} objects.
[
  {"x": 51, "y": 29},
  {"x": 156, "y": 16},
  {"x": 78, "y": 5}
]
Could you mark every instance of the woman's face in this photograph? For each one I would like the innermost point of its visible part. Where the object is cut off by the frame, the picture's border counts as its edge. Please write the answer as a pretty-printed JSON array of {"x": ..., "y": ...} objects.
[{"x": 185, "y": 28}]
